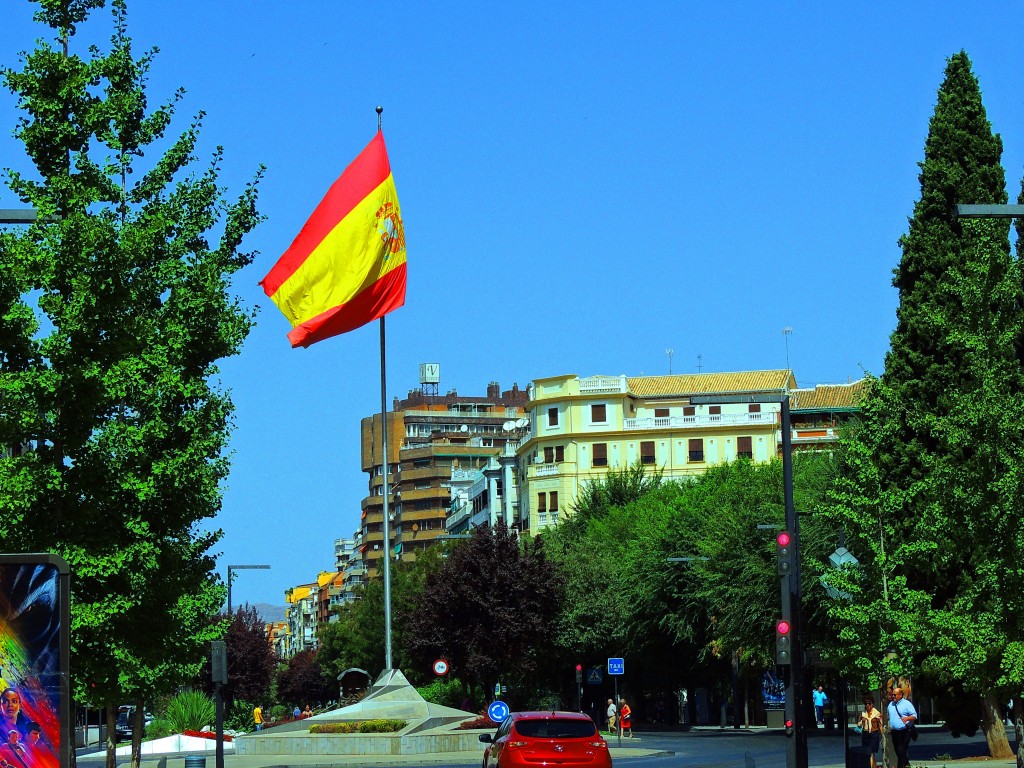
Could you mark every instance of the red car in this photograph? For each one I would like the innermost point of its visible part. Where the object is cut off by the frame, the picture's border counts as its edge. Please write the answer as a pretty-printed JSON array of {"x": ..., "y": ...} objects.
[{"x": 546, "y": 738}]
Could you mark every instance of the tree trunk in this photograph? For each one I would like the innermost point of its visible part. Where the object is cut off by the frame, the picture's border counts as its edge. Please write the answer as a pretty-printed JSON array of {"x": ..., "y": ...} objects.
[
  {"x": 111, "y": 711},
  {"x": 995, "y": 731},
  {"x": 137, "y": 726}
]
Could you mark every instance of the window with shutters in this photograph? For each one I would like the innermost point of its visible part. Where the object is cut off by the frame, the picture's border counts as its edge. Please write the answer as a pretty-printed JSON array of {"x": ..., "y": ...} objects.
[
  {"x": 647, "y": 452},
  {"x": 745, "y": 447},
  {"x": 697, "y": 449},
  {"x": 600, "y": 458}
]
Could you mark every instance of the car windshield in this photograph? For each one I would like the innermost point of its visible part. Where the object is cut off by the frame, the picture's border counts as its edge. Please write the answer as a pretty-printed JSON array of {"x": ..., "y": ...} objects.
[{"x": 556, "y": 728}]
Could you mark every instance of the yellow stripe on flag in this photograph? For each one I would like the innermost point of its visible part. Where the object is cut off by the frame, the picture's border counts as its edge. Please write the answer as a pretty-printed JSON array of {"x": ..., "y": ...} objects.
[{"x": 323, "y": 280}]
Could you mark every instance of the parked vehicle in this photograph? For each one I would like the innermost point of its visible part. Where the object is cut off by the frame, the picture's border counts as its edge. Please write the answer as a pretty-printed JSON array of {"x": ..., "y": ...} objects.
[
  {"x": 126, "y": 721},
  {"x": 546, "y": 738}
]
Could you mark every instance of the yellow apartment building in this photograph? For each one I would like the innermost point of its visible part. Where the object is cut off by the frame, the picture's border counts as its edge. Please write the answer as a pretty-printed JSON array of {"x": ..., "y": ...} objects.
[{"x": 580, "y": 428}]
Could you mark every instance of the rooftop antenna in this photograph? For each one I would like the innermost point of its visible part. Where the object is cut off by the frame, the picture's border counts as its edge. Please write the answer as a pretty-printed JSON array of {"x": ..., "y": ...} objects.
[
  {"x": 699, "y": 366},
  {"x": 669, "y": 352},
  {"x": 787, "y": 331}
]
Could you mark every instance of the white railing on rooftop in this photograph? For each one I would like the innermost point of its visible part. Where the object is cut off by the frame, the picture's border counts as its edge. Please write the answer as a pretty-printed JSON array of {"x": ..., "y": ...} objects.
[
  {"x": 602, "y": 384},
  {"x": 704, "y": 420}
]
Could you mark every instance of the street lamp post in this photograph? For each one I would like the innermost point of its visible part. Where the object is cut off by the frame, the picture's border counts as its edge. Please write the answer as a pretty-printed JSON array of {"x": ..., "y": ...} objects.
[
  {"x": 231, "y": 577},
  {"x": 796, "y": 705}
]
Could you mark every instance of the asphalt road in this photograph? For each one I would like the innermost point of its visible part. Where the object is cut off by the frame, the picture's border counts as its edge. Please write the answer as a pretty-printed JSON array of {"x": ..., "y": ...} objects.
[{"x": 698, "y": 748}]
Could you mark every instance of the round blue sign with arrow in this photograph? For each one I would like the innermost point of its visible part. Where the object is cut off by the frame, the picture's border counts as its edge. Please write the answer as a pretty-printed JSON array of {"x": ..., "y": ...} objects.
[{"x": 498, "y": 711}]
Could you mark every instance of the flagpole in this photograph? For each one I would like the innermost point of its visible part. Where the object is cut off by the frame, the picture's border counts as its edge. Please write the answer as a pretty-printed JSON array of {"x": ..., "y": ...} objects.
[
  {"x": 387, "y": 515},
  {"x": 386, "y": 467}
]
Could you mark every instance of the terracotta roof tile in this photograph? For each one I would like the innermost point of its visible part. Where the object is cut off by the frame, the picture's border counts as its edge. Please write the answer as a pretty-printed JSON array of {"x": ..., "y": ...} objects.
[
  {"x": 740, "y": 382},
  {"x": 829, "y": 396}
]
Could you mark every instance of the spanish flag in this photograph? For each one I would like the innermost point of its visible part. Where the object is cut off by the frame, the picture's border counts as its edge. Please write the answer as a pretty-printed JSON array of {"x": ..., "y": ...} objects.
[{"x": 347, "y": 265}]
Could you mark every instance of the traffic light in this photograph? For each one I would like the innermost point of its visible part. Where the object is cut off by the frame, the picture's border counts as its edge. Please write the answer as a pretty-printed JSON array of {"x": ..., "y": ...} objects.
[
  {"x": 579, "y": 673},
  {"x": 783, "y": 642},
  {"x": 789, "y": 727},
  {"x": 784, "y": 551}
]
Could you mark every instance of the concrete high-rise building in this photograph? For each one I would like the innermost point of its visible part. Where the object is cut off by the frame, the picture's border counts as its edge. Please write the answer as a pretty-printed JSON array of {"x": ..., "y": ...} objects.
[{"x": 428, "y": 435}]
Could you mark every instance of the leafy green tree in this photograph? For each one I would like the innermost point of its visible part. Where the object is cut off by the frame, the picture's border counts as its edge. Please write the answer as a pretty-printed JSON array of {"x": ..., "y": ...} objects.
[
  {"x": 932, "y": 478},
  {"x": 680, "y": 569},
  {"x": 356, "y": 637},
  {"x": 115, "y": 307}
]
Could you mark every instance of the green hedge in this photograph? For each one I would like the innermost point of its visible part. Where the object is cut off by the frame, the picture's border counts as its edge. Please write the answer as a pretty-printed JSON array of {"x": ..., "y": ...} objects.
[{"x": 361, "y": 726}]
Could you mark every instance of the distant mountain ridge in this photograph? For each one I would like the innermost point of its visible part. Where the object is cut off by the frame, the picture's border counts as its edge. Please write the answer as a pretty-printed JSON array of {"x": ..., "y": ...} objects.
[{"x": 270, "y": 613}]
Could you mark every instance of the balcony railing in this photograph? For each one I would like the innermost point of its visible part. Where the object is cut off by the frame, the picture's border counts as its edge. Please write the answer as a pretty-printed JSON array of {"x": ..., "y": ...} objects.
[
  {"x": 542, "y": 470},
  {"x": 703, "y": 420},
  {"x": 596, "y": 385}
]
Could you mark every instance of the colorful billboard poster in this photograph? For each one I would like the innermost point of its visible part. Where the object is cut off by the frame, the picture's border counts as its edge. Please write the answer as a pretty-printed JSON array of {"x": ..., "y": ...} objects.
[
  {"x": 773, "y": 691},
  {"x": 34, "y": 697}
]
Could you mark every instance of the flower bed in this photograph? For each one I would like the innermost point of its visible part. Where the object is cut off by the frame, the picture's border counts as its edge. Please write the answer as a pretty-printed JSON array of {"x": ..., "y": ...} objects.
[
  {"x": 363, "y": 726},
  {"x": 205, "y": 735}
]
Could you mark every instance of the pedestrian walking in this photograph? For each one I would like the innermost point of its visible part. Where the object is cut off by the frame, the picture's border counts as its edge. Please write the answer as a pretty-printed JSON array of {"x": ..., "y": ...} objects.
[
  {"x": 257, "y": 717},
  {"x": 902, "y": 717},
  {"x": 820, "y": 700},
  {"x": 610, "y": 715},
  {"x": 625, "y": 718},
  {"x": 871, "y": 728}
]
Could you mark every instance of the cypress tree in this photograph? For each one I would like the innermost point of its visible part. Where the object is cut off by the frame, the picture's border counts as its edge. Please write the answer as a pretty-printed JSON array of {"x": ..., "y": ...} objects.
[{"x": 932, "y": 477}]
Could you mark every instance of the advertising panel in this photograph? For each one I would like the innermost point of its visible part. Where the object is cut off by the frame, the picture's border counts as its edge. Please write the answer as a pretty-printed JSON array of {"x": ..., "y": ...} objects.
[{"x": 34, "y": 697}]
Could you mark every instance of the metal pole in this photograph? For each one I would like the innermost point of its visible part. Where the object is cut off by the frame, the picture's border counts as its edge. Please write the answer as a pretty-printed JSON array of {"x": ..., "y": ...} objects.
[
  {"x": 387, "y": 523},
  {"x": 230, "y": 577},
  {"x": 796, "y": 756},
  {"x": 218, "y": 699},
  {"x": 618, "y": 720}
]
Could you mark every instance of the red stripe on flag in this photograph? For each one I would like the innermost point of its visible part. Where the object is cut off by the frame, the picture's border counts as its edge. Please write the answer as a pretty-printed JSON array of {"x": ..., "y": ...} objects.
[
  {"x": 363, "y": 175},
  {"x": 385, "y": 295}
]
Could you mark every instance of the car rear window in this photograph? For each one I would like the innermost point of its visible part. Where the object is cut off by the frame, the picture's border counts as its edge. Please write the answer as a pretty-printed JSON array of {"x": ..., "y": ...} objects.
[{"x": 556, "y": 728}]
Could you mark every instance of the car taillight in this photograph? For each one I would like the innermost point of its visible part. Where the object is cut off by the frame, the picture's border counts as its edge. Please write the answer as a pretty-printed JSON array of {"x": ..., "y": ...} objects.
[
  {"x": 515, "y": 744},
  {"x": 602, "y": 744}
]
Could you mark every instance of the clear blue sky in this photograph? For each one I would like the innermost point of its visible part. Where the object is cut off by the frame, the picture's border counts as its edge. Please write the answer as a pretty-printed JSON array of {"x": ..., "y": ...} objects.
[{"x": 583, "y": 185}]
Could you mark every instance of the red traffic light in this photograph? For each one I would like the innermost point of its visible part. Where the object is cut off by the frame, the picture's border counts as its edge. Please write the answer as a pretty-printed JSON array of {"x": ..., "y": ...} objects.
[
  {"x": 783, "y": 539},
  {"x": 789, "y": 723},
  {"x": 782, "y": 627},
  {"x": 579, "y": 667}
]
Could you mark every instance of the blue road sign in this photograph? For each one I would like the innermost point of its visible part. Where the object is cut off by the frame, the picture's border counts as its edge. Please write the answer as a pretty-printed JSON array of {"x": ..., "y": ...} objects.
[
  {"x": 498, "y": 711},
  {"x": 616, "y": 666},
  {"x": 594, "y": 676}
]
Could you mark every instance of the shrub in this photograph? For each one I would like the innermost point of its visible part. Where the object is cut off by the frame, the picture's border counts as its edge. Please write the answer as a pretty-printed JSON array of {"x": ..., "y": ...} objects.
[
  {"x": 545, "y": 700},
  {"x": 239, "y": 717},
  {"x": 360, "y": 726},
  {"x": 159, "y": 728},
  {"x": 279, "y": 712},
  {"x": 447, "y": 693},
  {"x": 190, "y": 711}
]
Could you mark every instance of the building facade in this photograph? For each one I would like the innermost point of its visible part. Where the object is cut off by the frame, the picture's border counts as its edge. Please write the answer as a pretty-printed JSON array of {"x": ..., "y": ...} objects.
[
  {"x": 429, "y": 436},
  {"x": 580, "y": 428},
  {"x": 818, "y": 414}
]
